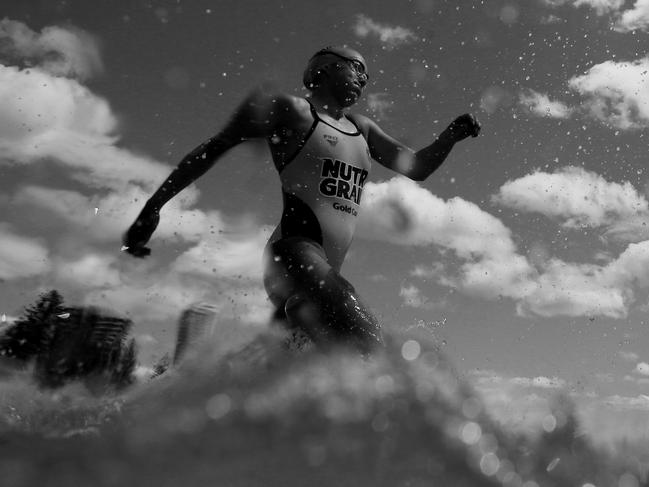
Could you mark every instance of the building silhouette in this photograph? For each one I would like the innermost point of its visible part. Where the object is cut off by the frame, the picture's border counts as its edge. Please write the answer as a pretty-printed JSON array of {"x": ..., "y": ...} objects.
[
  {"x": 83, "y": 341},
  {"x": 196, "y": 323}
]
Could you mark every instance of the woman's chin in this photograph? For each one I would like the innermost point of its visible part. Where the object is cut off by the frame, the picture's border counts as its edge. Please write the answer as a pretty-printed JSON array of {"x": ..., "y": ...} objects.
[{"x": 351, "y": 99}]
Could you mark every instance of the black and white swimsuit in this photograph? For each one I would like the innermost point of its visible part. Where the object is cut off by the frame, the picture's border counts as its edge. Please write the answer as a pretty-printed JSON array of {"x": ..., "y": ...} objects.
[{"x": 322, "y": 186}]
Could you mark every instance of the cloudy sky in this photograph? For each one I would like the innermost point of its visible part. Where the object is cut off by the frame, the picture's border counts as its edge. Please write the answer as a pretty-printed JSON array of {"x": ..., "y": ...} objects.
[{"x": 526, "y": 255}]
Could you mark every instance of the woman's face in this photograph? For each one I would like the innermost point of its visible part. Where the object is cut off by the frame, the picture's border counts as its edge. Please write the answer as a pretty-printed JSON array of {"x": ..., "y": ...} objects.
[{"x": 345, "y": 79}]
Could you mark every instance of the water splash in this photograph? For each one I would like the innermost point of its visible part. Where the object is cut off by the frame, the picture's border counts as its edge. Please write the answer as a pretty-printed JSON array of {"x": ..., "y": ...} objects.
[{"x": 250, "y": 412}]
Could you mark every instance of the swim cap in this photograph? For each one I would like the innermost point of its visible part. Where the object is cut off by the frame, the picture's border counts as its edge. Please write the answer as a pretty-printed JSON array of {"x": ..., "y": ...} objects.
[{"x": 327, "y": 56}]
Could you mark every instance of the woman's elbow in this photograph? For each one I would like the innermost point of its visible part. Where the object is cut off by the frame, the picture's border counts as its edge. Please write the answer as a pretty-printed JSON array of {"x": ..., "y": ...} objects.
[{"x": 415, "y": 175}]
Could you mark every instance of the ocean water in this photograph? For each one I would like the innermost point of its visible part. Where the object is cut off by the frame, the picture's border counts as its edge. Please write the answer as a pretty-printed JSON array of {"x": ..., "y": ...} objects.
[{"x": 248, "y": 412}]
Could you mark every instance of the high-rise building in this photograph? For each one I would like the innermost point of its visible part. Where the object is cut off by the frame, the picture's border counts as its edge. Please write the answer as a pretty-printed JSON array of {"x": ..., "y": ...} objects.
[
  {"x": 196, "y": 323},
  {"x": 83, "y": 341}
]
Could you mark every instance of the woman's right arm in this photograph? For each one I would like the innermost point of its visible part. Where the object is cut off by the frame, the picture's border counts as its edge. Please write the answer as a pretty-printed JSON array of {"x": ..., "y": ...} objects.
[{"x": 257, "y": 117}]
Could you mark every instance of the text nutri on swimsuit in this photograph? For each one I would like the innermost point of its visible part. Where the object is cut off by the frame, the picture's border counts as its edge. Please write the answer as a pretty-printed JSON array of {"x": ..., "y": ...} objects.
[{"x": 342, "y": 180}]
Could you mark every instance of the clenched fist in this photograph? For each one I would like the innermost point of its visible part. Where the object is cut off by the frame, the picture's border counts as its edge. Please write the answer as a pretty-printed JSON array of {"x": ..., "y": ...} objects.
[
  {"x": 462, "y": 127},
  {"x": 140, "y": 232}
]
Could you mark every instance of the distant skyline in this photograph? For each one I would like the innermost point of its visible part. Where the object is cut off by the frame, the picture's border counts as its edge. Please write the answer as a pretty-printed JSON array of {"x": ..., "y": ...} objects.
[{"x": 526, "y": 254}]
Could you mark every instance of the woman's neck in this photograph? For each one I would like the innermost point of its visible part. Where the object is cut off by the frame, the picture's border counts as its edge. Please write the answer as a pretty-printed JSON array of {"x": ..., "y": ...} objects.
[{"x": 328, "y": 105}]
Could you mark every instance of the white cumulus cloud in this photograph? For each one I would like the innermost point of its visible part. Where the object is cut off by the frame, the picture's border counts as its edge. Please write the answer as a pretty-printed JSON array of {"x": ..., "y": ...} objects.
[
  {"x": 239, "y": 256},
  {"x": 574, "y": 196},
  {"x": 21, "y": 256},
  {"x": 602, "y": 7},
  {"x": 47, "y": 118},
  {"x": 540, "y": 382},
  {"x": 616, "y": 92},
  {"x": 69, "y": 52},
  {"x": 623, "y": 19},
  {"x": 391, "y": 36},
  {"x": 495, "y": 98},
  {"x": 630, "y": 229},
  {"x": 642, "y": 368},
  {"x": 485, "y": 262},
  {"x": 624, "y": 403},
  {"x": 104, "y": 217},
  {"x": 541, "y": 105},
  {"x": 628, "y": 356},
  {"x": 413, "y": 297},
  {"x": 577, "y": 290},
  {"x": 589, "y": 289},
  {"x": 401, "y": 212},
  {"x": 635, "y": 18},
  {"x": 89, "y": 271},
  {"x": 147, "y": 291}
]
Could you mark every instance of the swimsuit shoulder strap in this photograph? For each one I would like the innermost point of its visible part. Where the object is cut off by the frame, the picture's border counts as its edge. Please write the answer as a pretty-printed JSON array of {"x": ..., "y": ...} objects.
[
  {"x": 352, "y": 119},
  {"x": 337, "y": 129}
]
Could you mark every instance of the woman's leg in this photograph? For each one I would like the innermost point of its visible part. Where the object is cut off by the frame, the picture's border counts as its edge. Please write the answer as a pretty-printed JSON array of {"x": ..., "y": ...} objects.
[{"x": 317, "y": 298}]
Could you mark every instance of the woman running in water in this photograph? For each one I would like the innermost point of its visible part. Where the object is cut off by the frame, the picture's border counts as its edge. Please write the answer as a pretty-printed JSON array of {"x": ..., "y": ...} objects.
[{"x": 323, "y": 156}]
